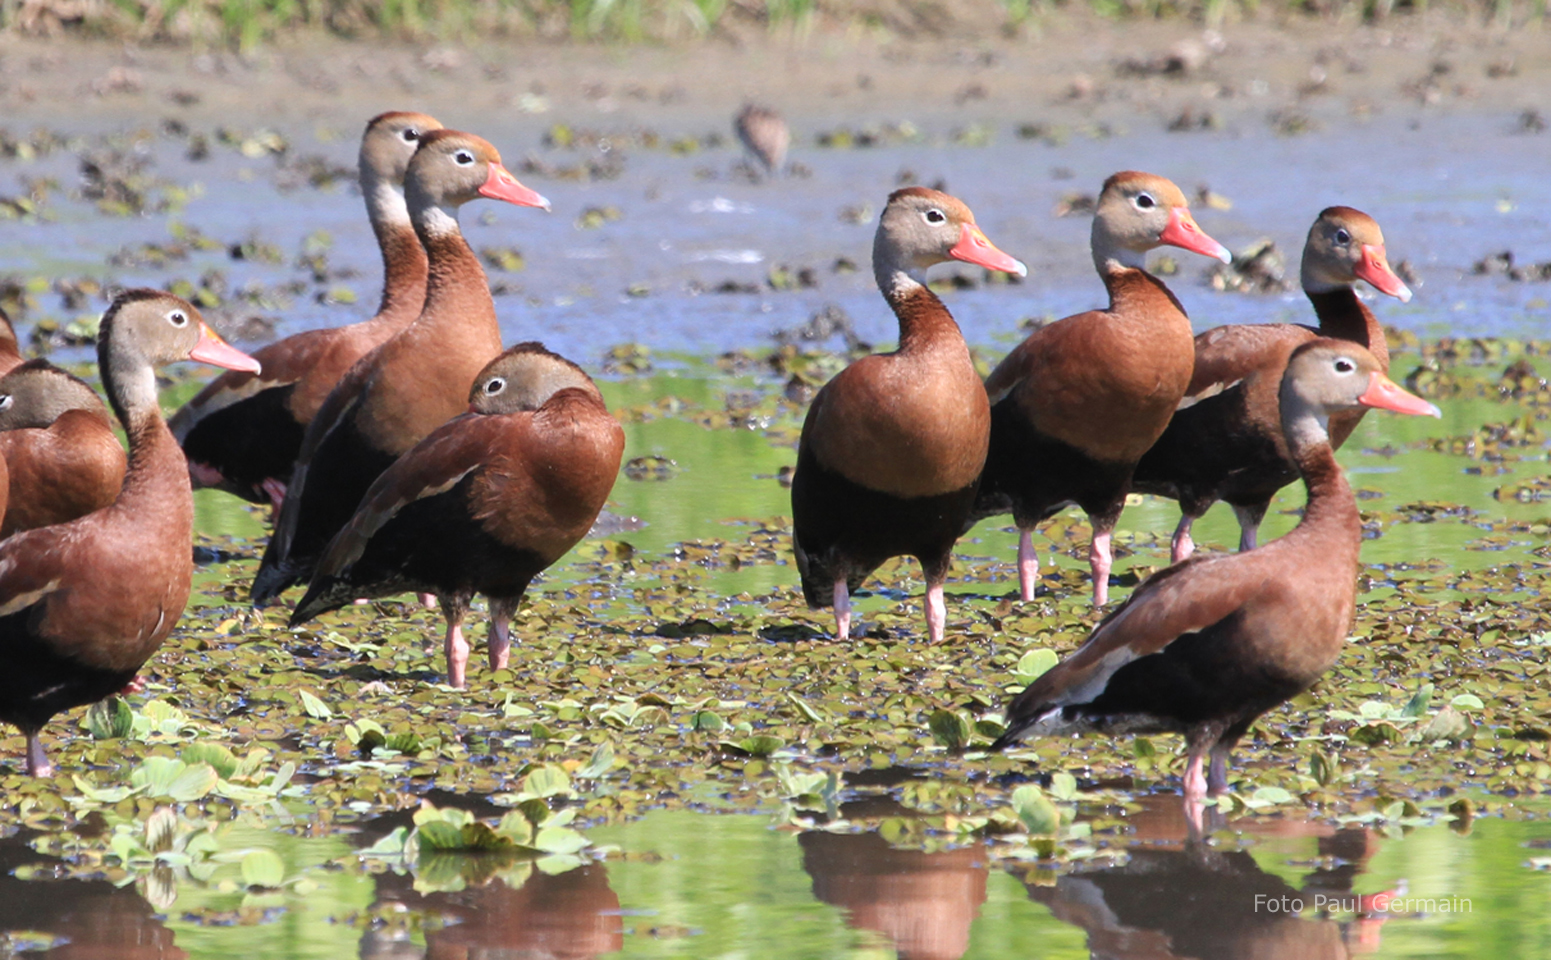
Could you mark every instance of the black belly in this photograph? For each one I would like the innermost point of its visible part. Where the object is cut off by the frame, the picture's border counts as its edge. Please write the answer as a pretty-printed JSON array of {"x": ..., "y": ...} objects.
[
  {"x": 1199, "y": 678},
  {"x": 1213, "y": 451},
  {"x": 843, "y": 529},
  {"x": 434, "y": 545},
  {"x": 36, "y": 682},
  {"x": 1033, "y": 476},
  {"x": 253, "y": 440}
]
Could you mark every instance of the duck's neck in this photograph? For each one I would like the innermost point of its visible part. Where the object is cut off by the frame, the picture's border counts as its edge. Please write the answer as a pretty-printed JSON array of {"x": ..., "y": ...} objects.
[
  {"x": 923, "y": 318},
  {"x": 1343, "y": 316},
  {"x": 154, "y": 456},
  {"x": 1331, "y": 505},
  {"x": 1136, "y": 295},
  {"x": 404, "y": 263},
  {"x": 455, "y": 288}
]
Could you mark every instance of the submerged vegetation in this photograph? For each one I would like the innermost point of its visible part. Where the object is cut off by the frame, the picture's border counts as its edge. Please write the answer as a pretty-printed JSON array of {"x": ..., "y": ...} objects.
[{"x": 247, "y": 23}]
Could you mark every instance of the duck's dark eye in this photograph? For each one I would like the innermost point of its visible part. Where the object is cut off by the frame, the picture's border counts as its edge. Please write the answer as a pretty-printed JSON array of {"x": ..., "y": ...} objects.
[
  {"x": 410, "y": 134},
  {"x": 1344, "y": 365},
  {"x": 463, "y": 157},
  {"x": 178, "y": 318},
  {"x": 935, "y": 215},
  {"x": 1343, "y": 238},
  {"x": 494, "y": 386},
  {"x": 1145, "y": 201}
]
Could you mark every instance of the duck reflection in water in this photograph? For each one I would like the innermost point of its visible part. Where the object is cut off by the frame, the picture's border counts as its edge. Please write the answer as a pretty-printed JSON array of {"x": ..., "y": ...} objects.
[
  {"x": 1198, "y": 902},
  {"x": 570, "y": 916},
  {"x": 922, "y": 902},
  {"x": 92, "y": 918}
]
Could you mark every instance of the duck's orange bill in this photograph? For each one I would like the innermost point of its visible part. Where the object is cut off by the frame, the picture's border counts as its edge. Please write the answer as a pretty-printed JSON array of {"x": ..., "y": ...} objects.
[
  {"x": 213, "y": 350},
  {"x": 1386, "y": 394},
  {"x": 1374, "y": 268},
  {"x": 501, "y": 185},
  {"x": 973, "y": 247},
  {"x": 1183, "y": 232}
]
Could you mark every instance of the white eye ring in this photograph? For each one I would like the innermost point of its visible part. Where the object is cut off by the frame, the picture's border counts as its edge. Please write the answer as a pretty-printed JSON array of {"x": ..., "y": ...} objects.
[
  {"x": 494, "y": 386},
  {"x": 1342, "y": 237},
  {"x": 463, "y": 157},
  {"x": 935, "y": 215},
  {"x": 178, "y": 318},
  {"x": 1343, "y": 365},
  {"x": 1145, "y": 201},
  {"x": 6, "y": 400}
]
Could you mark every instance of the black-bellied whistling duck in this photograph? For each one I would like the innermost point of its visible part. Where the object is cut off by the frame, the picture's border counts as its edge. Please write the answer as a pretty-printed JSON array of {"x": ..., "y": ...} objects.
[
  {"x": 893, "y": 445},
  {"x": 83, "y": 604},
  {"x": 243, "y": 432},
  {"x": 1204, "y": 647},
  {"x": 765, "y": 135},
  {"x": 1225, "y": 443},
  {"x": 412, "y": 384},
  {"x": 484, "y": 504},
  {"x": 10, "y": 348},
  {"x": 65, "y": 460},
  {"x": 1074, "y": 406}
]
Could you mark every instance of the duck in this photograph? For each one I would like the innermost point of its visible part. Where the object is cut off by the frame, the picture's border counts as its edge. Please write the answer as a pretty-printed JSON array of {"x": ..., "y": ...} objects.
[
  {"x": 10, "y": 348},
  {"x": 1076, "y": 404},
  {"x": 764, "y": 134},
  {"x": 482, "y": 505},
  {"x": 84, "y": 604},
  {"x": 57, "y": 439},
  {"x": 401, "y": 391},
  {"x": 1204, "y": 647},
  {"x": 892, "y": 447},
  {"x": 1225, "y": 441},
  {"x": 243, "y": 432}
]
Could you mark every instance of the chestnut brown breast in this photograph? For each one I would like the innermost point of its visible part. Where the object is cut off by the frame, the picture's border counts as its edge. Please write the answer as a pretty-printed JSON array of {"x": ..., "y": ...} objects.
[
  {"x": 912, "y": 423},
  {"x": 1104, "y": 382}
]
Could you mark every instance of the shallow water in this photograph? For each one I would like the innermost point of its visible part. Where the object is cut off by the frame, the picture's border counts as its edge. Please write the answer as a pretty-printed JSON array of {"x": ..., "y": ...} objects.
[
  {"x": 872, "y": 875},
  {"x": 698, "y": 885}
]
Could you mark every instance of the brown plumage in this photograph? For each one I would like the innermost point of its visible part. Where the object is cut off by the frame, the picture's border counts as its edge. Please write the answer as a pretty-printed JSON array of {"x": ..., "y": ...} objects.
[
  {"x": 1225, "y": 442},
  {"x": 1204, "y": 647},
  {"x": 1074, "y": 406},
  {"x": 413, "y": 383},
  {"x": 764, "y": 134},
  {"x": 10, "y": 349},
  {"x": 892, "y": 446},
  {"x": 243, "y": 431},
  {"x": 83, "y": 604},
  {"x": 64, "y": 459},
  {"x": 484, "y": 504}
]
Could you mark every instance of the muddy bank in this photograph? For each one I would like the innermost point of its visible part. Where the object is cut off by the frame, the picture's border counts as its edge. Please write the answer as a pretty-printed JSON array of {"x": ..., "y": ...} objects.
[{"x": 1065, "y": 66}]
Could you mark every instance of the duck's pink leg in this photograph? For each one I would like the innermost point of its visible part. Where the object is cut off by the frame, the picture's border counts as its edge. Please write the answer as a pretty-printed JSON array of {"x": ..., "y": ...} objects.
[
  {"x": 1100, "y": 559},
  {"x": 936, "y": 613},
  {"x": 501, "y": 613},
  {"x": 1028, "y": 565},
  {"x": 1181, "y": 547},
  {"x": 427, "y": 600},
  {"x": 457, "y": 656},
  {"x": 203, "y": 475},
  {"x": 276, "y": 490},
  {"x": 37, "y": 761},
  {"x": 1195, "y": 793},
  {"x": 842, "y": 611},
  {"x": 1249, "y": 526},
  {"x": 136, "y": 684}
]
